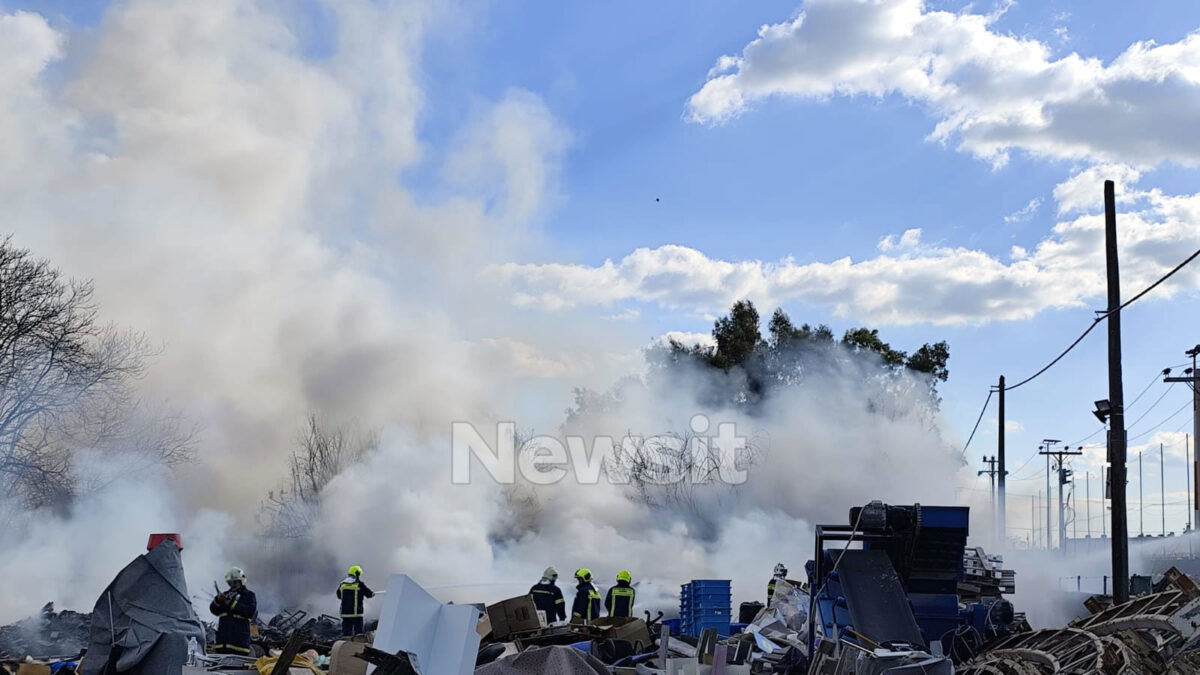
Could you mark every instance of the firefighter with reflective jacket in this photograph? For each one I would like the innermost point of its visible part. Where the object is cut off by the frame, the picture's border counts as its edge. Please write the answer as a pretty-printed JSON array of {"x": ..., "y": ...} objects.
[
  {"x": 352, "y": 591},
  {"x": 548, "y": 597},
  {"x": 587, "y": 598},
  {"x": 619, "y": 601},
  {"x": 234, "y": 609},
  {"x": 780, "y": 575}
]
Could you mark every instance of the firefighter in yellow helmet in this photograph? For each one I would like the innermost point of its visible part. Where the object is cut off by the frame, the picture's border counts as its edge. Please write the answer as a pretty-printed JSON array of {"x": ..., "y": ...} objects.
[
  {"x": 352, "y": 592},
  {"x": 587, "y": 598},
  {"x": 619, "y": 601}
]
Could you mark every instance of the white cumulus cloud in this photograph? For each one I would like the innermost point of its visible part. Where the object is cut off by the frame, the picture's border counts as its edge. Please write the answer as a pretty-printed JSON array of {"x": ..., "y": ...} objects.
[
  {"x": 990, "y": 92},
  {"x": 907, "y": 282}
]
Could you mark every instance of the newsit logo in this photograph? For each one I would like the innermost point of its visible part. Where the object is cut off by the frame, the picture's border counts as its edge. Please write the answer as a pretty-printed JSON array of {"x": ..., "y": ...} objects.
[{"x": 664, "y": 459}]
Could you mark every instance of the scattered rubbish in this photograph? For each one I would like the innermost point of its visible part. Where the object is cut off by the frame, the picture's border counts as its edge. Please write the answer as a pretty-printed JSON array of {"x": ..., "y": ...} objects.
[
  {"x": 399, "y": 663},
  {"x": 893, "y": 592},
  {"x": 553, "y": 660},
  {"x": 48, "y": 636}
]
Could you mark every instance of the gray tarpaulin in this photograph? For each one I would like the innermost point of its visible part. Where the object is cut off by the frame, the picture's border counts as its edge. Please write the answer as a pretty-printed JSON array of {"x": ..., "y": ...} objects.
[
  {"x": 142, "y": 621},
  {"x": 557, "y": 660}
]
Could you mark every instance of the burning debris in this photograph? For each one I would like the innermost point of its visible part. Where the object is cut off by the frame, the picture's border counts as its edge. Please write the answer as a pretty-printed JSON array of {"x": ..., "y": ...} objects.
[
  {"x": 898, "y": 592},
  {"x": 47, "y": 636}
]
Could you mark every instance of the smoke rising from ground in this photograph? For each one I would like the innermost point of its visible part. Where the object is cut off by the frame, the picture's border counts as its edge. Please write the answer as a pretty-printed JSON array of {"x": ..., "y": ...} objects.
[{"x": 238, "y": 199}]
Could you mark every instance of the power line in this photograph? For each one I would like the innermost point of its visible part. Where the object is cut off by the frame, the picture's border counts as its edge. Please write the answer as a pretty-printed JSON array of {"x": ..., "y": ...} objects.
[
  {"x": 1153, "y": 379},
  {"x": 1104, "y": 316},
  {"x": 977, "y": 421},
  {"x": 1152, "y": 407},
  {"x": 1168, "y": 419}
]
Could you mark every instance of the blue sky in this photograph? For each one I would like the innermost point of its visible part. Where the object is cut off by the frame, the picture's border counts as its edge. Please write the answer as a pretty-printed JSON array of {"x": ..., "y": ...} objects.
[
  {"x": 811, "y": 177},
  {"x": 819, "y": 180}
]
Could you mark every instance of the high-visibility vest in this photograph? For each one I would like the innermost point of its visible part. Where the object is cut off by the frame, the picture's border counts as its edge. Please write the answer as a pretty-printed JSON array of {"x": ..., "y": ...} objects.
[
  {"x": 620, "y": 601},
  {"x": 352, "y": 599}
]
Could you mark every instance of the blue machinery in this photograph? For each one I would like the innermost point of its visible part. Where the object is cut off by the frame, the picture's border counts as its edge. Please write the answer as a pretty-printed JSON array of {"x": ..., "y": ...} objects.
[{"x": 901, "y": 589}]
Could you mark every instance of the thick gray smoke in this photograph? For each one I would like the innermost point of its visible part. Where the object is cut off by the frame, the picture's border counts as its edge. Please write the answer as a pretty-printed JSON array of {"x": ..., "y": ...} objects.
[
  {"x": 233, "y": 191},
  {"x": 848, "y": 435}
]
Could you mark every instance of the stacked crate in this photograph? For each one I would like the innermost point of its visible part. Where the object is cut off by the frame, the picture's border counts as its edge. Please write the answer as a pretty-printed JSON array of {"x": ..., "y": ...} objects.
[{"x": 705, "y": 603}]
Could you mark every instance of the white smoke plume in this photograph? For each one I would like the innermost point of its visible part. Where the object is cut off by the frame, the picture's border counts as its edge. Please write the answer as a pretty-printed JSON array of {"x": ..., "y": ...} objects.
[{"x": 238, "y": 194}]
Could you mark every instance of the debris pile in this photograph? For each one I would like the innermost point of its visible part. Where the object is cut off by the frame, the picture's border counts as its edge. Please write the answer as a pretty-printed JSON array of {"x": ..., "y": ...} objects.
[
  {"x": 1152, "y": 633},
  {"x": 895, "y": 590},
  {"x": 46, "y": 636}
]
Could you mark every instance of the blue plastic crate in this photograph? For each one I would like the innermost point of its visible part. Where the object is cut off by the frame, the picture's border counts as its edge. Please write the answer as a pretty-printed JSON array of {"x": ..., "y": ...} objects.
[
  {"x": 709, "y": 584},
  {"x": 722, "y": 627},
  {"x": 705, "y": 603}
]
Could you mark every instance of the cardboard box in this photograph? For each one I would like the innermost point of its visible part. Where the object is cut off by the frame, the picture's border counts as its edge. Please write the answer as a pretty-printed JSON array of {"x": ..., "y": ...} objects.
[
  {"x": 623, "y": 628},
  {"x": 515, "y": 615},
  {"x": 33, "y": 669}
]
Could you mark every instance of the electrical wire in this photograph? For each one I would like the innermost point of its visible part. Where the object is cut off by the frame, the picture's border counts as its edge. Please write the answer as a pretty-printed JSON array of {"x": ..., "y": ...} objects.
[
  {"x": 977, "y": 421},
  {"x": 1153, "y": 379},
  {"x": 1152, "y": 407},
  {"x": 1168, "y": 419},
  {"x": 1027, "y": 461},
  {"x": 1104, "y": 316}
]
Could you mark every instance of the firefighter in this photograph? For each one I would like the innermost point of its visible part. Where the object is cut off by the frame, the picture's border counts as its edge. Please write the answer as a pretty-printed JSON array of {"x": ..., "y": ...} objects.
[
  {"x": 548, "y": 597},
  {"x": 780, "y": 575},
  {"x": 234, "y": 609},
  {"x": 352, "y": 592},
  {"x": 619, "y": 601},
  {"x": 587, "y": 598}
]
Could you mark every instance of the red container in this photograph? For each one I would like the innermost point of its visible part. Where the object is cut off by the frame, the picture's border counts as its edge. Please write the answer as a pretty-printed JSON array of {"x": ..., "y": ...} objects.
[{"x": 156, "y": 539}]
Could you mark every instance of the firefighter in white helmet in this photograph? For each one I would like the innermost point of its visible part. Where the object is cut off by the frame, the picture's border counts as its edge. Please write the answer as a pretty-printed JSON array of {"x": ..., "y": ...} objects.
[
  {"x": 780, "y": 575},
  {"x": 234, "y": 609}
]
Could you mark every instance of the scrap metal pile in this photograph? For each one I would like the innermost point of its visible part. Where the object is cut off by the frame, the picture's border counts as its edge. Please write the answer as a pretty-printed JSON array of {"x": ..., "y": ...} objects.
[{"x": 1150, "y": 634}]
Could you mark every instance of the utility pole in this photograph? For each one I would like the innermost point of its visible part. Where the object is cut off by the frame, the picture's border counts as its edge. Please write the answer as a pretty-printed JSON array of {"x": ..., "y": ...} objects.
[
  {"x": 991, "y": 472},
  {"x": 1002, "y": 517},
  {"x": 1044, "y": 449},
  {"x": 1064, "y": 476},
  {"x": 1193, "y": 380},
  {"x": 1187, "y": 464},
  {"x": 1141, "y": 504},
  {"x": 1116, "y": 399}
]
